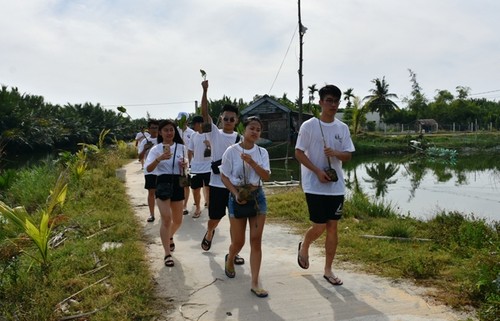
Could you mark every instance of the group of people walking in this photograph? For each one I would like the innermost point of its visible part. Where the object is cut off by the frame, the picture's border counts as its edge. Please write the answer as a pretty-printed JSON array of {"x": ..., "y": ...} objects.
[{"x": 229, "y": 168}]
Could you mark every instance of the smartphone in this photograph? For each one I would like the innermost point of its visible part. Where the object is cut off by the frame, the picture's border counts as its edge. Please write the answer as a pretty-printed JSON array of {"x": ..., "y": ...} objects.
[{"x": 166, "y": 148}]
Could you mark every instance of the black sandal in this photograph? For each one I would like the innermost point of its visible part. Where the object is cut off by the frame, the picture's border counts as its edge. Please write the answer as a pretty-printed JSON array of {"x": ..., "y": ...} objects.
[
  {"x": 168, "y": 260},
  {"x": 151, "y": 218},
  {"x": 172, "y": 244},
  {"x": 206, "y": 244}
]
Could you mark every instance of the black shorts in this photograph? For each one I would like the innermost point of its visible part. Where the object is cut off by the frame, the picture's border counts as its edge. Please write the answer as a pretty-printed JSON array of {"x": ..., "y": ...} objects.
[
  {"x": 178, "y": 193},
  {"x": 150, "y": 181},
  {"x": 217, "y": 205},
  {"x": 200, "y": 180},
  {"x": 323, "y": 208}
]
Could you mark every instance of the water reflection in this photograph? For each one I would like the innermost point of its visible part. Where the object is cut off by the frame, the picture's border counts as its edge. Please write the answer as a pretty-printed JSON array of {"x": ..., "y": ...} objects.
[
  {"x": 380, "y": 176},
  {"x": 422, "y": 188}
]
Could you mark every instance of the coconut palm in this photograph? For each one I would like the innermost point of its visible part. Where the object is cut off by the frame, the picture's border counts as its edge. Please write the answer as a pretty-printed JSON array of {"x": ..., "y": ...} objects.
[
  {"x": 381, "y": 175},
  {"x": 348, "y": 95},
  {"x": 312, "y": 91},
  {"x": 358, "y": 116},
  {"x": 380, "y": 99}
]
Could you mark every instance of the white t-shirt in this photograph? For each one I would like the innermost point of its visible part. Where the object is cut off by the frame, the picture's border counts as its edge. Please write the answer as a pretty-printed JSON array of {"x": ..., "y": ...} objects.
[
  {"x": 140, "y": 135},
  {"x": 186, "y": 134},
  {"x": 310, "y": 141},
  {"x": 165, "y": 166},
  {"x": 240, "y": 172},
  {"x": 219, "y": 141},
  {"x": 140, "y": 148},
  {"x": 199, "y": 163}
]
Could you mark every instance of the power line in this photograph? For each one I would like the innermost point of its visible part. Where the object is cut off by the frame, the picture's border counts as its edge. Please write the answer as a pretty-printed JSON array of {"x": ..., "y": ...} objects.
[
  {"x": 151, "y": 104},
  {"x": 283, "y": 61},
  {"x": 485, "y": 92}
]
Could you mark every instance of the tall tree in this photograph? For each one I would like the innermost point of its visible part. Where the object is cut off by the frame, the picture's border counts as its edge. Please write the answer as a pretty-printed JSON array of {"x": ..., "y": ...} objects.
[
  {"x": 417, "y": 102},
  {"x": 348, "y": 95},
  {"x": 380, "y": 98},
  {"x": 312, "y": 91}
]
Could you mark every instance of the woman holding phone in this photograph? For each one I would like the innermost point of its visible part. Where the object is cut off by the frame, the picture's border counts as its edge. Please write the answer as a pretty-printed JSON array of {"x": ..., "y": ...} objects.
[{"x": 166, "y": 160}]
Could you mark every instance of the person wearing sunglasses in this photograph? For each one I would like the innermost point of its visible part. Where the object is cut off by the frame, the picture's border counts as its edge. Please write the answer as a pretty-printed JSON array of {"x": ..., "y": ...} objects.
[{"x": 220, "y": 140}]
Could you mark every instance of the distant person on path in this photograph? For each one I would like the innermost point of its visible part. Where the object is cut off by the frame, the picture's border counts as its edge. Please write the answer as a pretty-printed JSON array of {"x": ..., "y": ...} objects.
[
  {"x": 322, "y": 145},
  {"x": 199, "y": 154},
  {"x": 246, "y": 165},
  {"x": 220, "y": 140},
  {"x": 142, "y": 135},
  {"x": 166, "y": 160},
  {"x": 186, "y": 134},
  {"x": 143, "y": 149}
]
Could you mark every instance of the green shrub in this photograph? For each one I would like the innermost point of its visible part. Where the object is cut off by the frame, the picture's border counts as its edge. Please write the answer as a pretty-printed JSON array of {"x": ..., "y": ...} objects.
[
  {"x": 421, "y": 267},
  {"x": 399, "y": 228}
]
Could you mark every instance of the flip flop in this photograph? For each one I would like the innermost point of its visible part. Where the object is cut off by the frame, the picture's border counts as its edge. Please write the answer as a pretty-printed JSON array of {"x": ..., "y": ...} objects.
[
  {"x": 238, "y": 260},
  {"x": 185, "y": 212},
  {"x": 196, "y": 214},
  {"x": 206, "y": 244},
  {"x": 333, "y": 280},
  {"x": 229, "y": 273},
  {"x": 261, "y": 293},
  {"x": 300, "y": 259}
]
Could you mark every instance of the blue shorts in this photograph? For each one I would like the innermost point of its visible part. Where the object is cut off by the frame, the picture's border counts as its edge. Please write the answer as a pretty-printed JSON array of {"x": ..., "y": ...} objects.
[{"x": 260, "y": 198}]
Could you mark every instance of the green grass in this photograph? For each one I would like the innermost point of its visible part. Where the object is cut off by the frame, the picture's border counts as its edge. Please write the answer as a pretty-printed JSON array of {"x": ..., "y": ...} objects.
[
  {"x": 461, "y": 262},
  {"x": 96, "y": 211}
]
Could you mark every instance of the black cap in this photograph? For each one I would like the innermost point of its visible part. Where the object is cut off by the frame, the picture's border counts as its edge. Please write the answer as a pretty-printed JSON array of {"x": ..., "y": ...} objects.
[{"x": 197, "y": 119}]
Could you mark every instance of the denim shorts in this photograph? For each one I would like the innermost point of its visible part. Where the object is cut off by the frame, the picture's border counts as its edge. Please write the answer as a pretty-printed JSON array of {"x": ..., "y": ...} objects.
[{"x": 260, "y": 198}]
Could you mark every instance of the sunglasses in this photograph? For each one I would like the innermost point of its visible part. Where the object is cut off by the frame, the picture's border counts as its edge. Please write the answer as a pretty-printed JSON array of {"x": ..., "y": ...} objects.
[{"x": 231, "y": 119}]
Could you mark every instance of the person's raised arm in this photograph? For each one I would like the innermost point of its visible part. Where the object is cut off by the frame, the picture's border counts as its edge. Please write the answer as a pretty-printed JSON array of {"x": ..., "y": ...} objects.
[{"x": 204, "y": 103}]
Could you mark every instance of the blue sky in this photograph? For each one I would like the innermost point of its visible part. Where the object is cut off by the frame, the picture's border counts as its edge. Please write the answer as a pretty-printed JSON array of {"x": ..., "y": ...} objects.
[{"x": 146, "y": 55}]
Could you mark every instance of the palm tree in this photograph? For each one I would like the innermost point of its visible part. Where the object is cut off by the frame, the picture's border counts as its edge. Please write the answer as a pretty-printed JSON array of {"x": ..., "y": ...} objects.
[
  {"x": 380, "y": 99},
  {"x": 312, "y": 91},
  {"x": 358, "y": 116},
  {"x": 348, "y": 94},
  {"x": 381, "y": 175}
]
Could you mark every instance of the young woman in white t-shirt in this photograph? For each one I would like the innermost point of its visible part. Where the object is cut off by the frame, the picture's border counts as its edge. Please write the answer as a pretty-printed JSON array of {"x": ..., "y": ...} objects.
[
  {"x": 166, "y": 160},
  {"x": 247, "y": 164}
]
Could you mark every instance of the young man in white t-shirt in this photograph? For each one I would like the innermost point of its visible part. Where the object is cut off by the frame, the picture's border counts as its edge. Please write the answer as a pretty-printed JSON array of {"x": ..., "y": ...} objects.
[
  {"x": 143, "y": 149},
  {"x": 322, "y": 145},
  {"x": 220, "y": 140},
  {"x": 186, "y": 134},
  {"x": 199, "y": 155}
]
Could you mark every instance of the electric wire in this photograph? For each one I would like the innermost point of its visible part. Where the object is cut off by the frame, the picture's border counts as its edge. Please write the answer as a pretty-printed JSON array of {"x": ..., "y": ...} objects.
[{"x": 283, "y": 61}]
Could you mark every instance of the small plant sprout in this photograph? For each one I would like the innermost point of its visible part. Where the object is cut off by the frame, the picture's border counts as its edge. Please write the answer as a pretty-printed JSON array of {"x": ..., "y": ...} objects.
[
  {"x": 203, "y": 74},
  {"x": 123, "y": 110}
]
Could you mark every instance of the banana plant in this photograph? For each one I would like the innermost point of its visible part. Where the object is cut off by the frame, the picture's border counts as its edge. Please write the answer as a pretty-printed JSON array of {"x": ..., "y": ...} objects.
[{"x": 39, "y": 235}]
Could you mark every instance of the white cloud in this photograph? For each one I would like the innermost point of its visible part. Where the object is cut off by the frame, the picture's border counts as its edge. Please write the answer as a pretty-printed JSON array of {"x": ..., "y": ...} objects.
[{"x": 150, "y": 52}]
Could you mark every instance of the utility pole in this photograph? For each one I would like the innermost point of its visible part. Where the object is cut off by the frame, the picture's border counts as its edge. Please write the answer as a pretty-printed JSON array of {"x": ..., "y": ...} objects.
[{"x": 302, "y": 31}]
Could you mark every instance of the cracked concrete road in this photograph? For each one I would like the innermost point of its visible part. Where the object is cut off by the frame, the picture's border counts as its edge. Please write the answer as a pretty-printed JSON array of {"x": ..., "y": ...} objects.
[{"x": 199, "y": 290}]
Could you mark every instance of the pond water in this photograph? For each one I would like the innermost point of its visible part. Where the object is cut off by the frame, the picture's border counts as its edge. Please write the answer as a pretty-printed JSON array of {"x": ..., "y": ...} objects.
[{"x": 421, "y": 187}]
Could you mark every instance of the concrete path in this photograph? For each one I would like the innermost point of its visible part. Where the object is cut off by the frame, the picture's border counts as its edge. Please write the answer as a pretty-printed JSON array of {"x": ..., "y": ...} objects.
[{"x": 199, "y": 289}]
